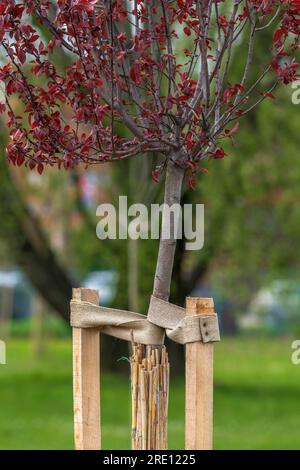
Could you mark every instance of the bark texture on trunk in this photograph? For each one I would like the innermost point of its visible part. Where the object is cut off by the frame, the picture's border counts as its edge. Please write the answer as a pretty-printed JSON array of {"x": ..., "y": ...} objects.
[
  {"x": 150, "y": 366},
  {"x": 167, "y": 247}
]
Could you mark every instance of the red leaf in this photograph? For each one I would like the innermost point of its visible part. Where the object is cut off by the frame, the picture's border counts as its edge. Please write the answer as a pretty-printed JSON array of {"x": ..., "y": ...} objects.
[
  {"x": 21, "y": 56},
  {"x": 155, "y": 176},
  {"x": 268, "y": 95},
  {"x": 232, "y": 131},
  {"x": 219, "y": 153},
  {"x": 192, "y": 183},
  {"x": 40, "y": 168},
  {"x": 135, "y": 74}
]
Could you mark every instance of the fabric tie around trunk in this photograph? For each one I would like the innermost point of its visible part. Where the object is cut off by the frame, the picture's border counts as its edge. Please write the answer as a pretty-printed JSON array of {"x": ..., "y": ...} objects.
[{"x": 163, "y": 318}]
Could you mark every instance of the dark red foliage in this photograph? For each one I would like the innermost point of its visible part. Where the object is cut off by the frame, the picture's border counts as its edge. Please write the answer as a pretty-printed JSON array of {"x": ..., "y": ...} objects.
[{"x": 128, "y": 66}]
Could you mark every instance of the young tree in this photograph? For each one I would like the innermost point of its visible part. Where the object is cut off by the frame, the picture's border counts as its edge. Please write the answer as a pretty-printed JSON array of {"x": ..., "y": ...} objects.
[{"x": 128, "y": 69}]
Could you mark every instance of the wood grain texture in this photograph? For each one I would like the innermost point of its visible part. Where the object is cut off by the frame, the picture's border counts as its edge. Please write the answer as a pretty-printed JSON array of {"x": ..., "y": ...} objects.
[
  {"x": 150, "y": 377},
  {"x": 86, "y": 380},
  {"x": 199, "y": 384}
]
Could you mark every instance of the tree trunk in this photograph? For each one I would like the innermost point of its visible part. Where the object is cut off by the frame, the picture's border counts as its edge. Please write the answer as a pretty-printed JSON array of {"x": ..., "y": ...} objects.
[
  {"x": 166, "y": 252},
  {"x": 149, "y": 365},
  {"x": 133, "y": 275}
]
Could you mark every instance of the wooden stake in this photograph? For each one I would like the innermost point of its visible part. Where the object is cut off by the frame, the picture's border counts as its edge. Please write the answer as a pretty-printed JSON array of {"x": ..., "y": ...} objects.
[
  {"x": 199, "y": 383},
  {"x": 86, "y": 380}
]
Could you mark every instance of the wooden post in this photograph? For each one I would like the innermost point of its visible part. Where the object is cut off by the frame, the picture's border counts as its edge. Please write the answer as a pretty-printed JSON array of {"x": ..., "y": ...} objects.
[
  {"x": 86, "y": 380},
  {"x": 199, "y": 384}
]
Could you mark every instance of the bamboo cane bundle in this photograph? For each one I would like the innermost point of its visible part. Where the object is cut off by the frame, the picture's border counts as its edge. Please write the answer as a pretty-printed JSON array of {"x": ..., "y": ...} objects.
[{"x": 150, "y": 371}]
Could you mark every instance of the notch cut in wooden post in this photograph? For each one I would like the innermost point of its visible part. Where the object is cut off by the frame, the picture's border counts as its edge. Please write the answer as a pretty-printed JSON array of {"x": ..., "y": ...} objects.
[
  {"x": 86, "y": 380},
  {"x": 199, "y": 383}
]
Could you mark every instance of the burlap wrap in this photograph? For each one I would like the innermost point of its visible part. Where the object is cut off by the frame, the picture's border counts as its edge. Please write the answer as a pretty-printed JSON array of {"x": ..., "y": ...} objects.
[{"x": 162, "y": 318}]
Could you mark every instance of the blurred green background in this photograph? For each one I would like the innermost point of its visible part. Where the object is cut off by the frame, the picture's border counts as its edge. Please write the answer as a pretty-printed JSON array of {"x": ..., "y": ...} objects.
[
  {"x": 250, "y": 265},
  {"x": 256, "y": 399}
]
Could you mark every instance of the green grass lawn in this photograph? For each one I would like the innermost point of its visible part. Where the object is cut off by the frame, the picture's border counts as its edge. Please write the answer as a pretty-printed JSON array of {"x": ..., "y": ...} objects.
[{"x": 257, "y": 399}]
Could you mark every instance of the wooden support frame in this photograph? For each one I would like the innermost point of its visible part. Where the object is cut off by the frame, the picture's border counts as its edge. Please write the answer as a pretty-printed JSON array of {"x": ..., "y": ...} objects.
[
  {"x": 86, "y": 380},
  {"x": 198, "y": 382}
]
